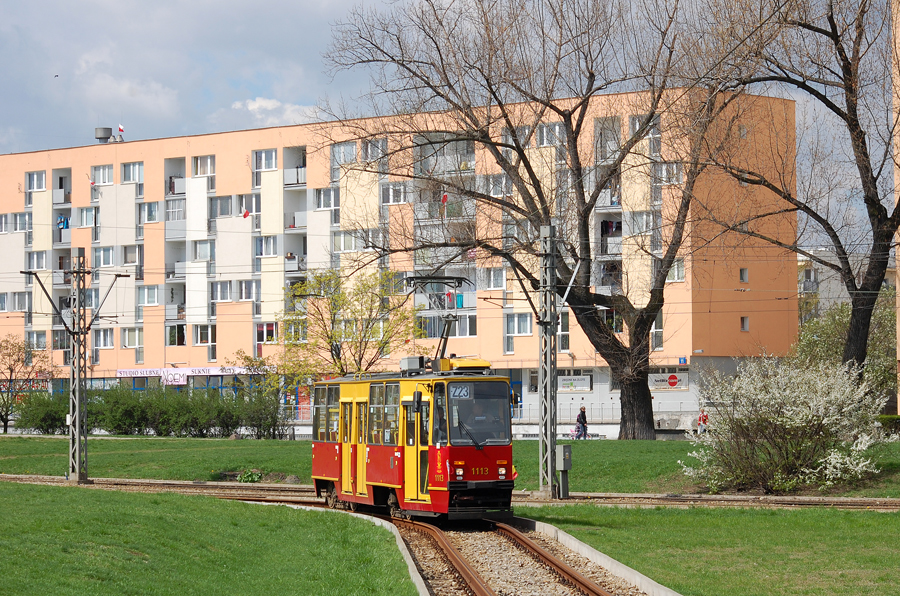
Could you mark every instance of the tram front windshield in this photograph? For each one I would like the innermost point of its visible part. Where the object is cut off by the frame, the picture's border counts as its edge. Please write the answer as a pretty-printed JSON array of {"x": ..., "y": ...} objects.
[{"x": 479, "y": 413}]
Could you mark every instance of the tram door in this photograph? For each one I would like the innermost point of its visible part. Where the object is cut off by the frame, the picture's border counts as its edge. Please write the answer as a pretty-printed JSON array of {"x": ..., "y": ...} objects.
[
  {"x": 359, "y": 470},
  {"x": 348, "y": 451},
  {"x": 415, "y": 453}
]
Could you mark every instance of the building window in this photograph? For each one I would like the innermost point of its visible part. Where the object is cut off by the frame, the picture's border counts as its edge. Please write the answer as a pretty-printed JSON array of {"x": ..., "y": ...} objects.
[
  {"x": 205, "y": 250},
  {"x": 499, "y": 185},
  {"x": 744, "y": 275},
  {"x": 251, "y": 204},
  {"x": 4, "y": 223},
  {"x": 35, "y": 181},
  {"x": 393, "y": 193},
  {"x": 89, "y": 217},
  {"x": 133, "y": 173},
  {"x": 174, "y": 209},
  {"x": 328, "y": 198},
  {"x": 613, "y": 320},
  {"x": 608, "y": 138},
  {"x": 219, "y": 207},
  {"x": 656, "y": 332},
  {"x": 37, "y": 340},
  {"x": 516, "y": 324},
  {"x": 266, "y": 333},
  {"x": 203, "y": 166},
  {"x": 220, "y": 291},
  {"x": 175, "y": 335},
  {"x": 132, "y": 337},
  {"x": 496, "y": 278},
  {"x": 263, "y": 160},
  {"x": 341, "y": 153},
  {"x": 130, "y": 254},
  {"x": 745, "y": 323},
  {"x": 147, "y": 295},
  {"x": 102, "y": 175},
  {"x": 22, "y": 222},
  {"x": 638, "y": 222},
  {"x": 60, "y": 339},
  {"x": 204, "y": 335},
  {"x": 148, "y": 213},
  {"x": 92, "y": 297},
  {"x": 343, "y": 242},
  {"x": 21, "y": 301},
  {"x": 676, "y": 271},
  {"x": 103, "y": 338},
  {"x": 103, "y": 257},
  {"x": 375, "y": 150},
  {"x": 36, "y": 260},
  {"x": 562, "y": 335},
  {"x": 249, "y": 290},
  {"x": 3, "y": 307}
]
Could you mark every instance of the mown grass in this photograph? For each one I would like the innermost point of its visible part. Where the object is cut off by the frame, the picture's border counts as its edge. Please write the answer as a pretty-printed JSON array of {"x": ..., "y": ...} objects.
[
  {"x": 69, "y": 540},
  {"x": 743, "y": 552},
  {"x": 598, "y": 466}
]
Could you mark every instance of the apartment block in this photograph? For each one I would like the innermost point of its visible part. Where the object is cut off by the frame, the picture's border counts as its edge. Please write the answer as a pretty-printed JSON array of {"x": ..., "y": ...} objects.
[{"x": 211, "y": 229}]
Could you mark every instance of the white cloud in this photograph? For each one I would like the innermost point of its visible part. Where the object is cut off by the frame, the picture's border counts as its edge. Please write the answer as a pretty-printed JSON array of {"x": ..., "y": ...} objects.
[
  {"x": 263, "y": 111},
  {"x": 148, "y": 98}
]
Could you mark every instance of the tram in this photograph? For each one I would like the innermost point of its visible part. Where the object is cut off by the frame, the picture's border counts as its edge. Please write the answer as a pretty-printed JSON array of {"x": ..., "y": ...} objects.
[{"x": 432, "y": 440}]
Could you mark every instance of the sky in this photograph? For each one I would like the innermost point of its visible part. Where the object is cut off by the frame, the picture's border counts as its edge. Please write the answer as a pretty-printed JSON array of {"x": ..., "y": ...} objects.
[{"x": 162, "y": 68}]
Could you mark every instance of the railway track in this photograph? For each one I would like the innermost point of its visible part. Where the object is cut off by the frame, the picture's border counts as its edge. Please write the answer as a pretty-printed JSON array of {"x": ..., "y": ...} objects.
[{"x": 521, "y": 498}]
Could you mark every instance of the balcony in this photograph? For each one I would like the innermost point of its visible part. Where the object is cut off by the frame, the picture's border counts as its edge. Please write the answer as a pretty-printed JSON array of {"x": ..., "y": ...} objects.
[
  {"x": 808, "y": 285},
  {"x": 174, "y": 312},
  {"x": 61, "y": 196},
  {"x": 294, "y": 220},
  {"x": 176, "y": 271},
  {"x": 295, "y": 264},
  {"x": 62, "y": 279},
  {"x": 175, "y": 229},
  {"x": 295, "y": 177},
  {"x": 211, "y": 227},
  {"x": 609, "y": 201},
  {"x": 175, "y": 186},
  {"x": 62, "y": 236},
  {"x": 611, "y": 245}
]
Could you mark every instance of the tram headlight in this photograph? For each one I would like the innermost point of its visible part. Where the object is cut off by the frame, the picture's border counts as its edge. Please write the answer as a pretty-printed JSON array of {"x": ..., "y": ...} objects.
[
  {"x": 501, "y": 471},
  {"x": 459, "y": 471}
]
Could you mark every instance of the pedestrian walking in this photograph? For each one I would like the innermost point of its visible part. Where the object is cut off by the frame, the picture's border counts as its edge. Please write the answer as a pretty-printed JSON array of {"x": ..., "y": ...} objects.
[
  {"x": 581, "y": 423},
  {"x": 702, "y": 421}
]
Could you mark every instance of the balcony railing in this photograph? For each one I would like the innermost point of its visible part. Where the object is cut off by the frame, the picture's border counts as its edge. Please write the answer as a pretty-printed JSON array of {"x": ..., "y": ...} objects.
[
  {"x": 211, "y": 227},
  {"x": 62, "y": 236},
  {"x": 175, "y": 185},
  {"x": 61, "y": 196},
  {"x": 174, "y": 312},
  {"x": 295, "y": 219},
  {"x": 610, "y": 245},
  {"x": 175, "y": 270},
  {"x": 62, "y": 278},
  {"x": 294, "y": 176},
  {"x": 809, "y": 285}
]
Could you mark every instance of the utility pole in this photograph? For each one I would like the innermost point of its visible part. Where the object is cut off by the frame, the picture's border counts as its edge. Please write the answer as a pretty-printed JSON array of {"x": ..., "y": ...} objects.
[
  {"x": 78, "y": 334},
  {"x": 547, "y": 320}
]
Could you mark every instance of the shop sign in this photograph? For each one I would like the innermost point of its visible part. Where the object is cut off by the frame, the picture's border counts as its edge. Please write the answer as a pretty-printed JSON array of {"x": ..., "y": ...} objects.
[
  {"x": 666, "y": 381},
  {"x": 580, "y": 383}
]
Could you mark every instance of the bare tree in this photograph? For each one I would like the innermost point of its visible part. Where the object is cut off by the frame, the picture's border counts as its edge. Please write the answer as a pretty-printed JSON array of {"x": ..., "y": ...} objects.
[
  {"x": 836, "y": 57},
  {"x": 22, "y": 367},
  {"x": 523, "y": 88}
]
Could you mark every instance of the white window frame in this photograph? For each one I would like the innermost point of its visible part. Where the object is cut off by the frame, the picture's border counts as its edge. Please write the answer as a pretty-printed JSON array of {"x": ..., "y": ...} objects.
[
  {"x": 175, "y": 326},
  {"x": 21, "y": 301},
  {"x": 393, "y": 193},
  {"x": 249, "y": 290},
  {"x": 91, "y": 297},
  {"x": 22, "y": 221},
  {"x": 265, "y": 160},
  {"x": 204, "y": 335},
  {"x": 37, "y": 260},
  {"x": 125, "y": 251},
  {"x": 37, "y": 340},
  {"x": 144, "y": 211},
  {"x": 656, "y": 332},
  {"x": 4, "y": 223},
  {"x": 88, "y": 217},
  {"x": 207, "y": 254},
  {"x": 174, "y": 209},
  {"x": 147, "y": 295},
  {"x": 328, "y": 198},
  {"x": 267, "y": 246},
  {"x": 220, "y": 291},
  {"x": 103, "y": 339},
  {"x": 342, "y": 153},
  {"x": 496, "y": 278},
  {"x": 563, "y": 338},
  {"x": 132, "y": 337},
  {"x": 343, "y": 242},
  {"x": 133, "y": 172},
  {"x": 203, "y": 166},
  {"x": 264, "y": 327},
  {"x": 676, "y": 271},
  {"x": 35, "y": 181},
  {"x": 104, "y": 256},
  {"x": 102, "y": 175},
  {"x": 3, "y": 304}
]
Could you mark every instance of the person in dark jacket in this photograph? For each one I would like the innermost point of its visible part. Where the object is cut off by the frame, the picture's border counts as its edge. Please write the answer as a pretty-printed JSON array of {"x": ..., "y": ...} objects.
[{"x": 581, "y": 422}]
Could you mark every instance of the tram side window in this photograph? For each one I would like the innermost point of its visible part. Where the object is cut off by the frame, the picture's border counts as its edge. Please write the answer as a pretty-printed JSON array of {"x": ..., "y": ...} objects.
[
  {"x": 346, "y": 422},
  {"x": 319, "y": 415},
  {"x": 334, "y": 395},
  {"x": 440, "y": 414},
  {"x": 391, "y": 414},
  {"x": 376, "y": 414},
  {"x": 361, "y": 424}
]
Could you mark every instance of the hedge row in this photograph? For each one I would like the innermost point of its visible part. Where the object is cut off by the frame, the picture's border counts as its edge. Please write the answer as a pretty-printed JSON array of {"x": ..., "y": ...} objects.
[{"x": 160, "y": 411}]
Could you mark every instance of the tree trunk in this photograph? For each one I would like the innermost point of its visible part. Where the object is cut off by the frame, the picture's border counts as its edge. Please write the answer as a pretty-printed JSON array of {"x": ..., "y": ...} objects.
[
  {"x": 637, "y": 408},
  {"x": 862, "y": 309}
]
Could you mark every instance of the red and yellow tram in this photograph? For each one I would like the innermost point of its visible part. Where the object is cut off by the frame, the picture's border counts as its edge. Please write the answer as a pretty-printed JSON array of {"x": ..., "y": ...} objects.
[{"x": 421, "y": 442}]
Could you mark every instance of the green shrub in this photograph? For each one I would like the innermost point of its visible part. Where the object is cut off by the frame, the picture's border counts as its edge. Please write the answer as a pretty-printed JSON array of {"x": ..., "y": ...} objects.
[
  {"x": 119, "y": 411},
  {"x": 44, "y": 413},
  {"x": 891, "y": 423}
]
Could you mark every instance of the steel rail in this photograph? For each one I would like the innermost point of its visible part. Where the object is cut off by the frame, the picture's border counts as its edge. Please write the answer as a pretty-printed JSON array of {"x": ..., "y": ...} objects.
[
  {"x": 472, "y": 578},
  {"x": 561, "y": 568}
]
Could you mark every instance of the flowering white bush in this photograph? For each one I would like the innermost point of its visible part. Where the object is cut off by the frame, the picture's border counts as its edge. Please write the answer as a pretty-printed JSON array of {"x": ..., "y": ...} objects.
[{"x": 779, "y": 425}]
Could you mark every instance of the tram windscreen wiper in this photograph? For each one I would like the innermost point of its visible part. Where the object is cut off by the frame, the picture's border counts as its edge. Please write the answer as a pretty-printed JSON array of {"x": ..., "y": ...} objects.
[{"x": 463, "y": 426}]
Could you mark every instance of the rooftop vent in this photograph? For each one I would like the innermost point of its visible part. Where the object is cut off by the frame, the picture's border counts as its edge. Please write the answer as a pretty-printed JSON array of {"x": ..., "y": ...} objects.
[{"x": 102, "y": 134}]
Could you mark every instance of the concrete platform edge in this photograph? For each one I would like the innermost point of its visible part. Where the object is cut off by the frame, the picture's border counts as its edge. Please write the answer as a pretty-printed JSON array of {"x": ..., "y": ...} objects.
[{"x": 628, "y": 574}]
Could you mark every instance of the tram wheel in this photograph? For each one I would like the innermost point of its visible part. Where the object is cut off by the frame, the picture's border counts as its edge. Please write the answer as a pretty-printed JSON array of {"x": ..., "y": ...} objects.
[
  {"x": 331, "y": 496},
  {"x": 394, "y": 506}
]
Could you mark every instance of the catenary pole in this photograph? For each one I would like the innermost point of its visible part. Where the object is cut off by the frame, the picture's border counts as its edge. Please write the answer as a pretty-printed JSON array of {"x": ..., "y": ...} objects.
[{"x": 547, "y": 371}]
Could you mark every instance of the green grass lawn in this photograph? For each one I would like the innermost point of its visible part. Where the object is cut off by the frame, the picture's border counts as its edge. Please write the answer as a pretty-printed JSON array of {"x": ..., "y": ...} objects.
[
  {"x": 69, "y": 540},
  {"x": 743, "y": 552},
  {"x": 598, "y": 466}
]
